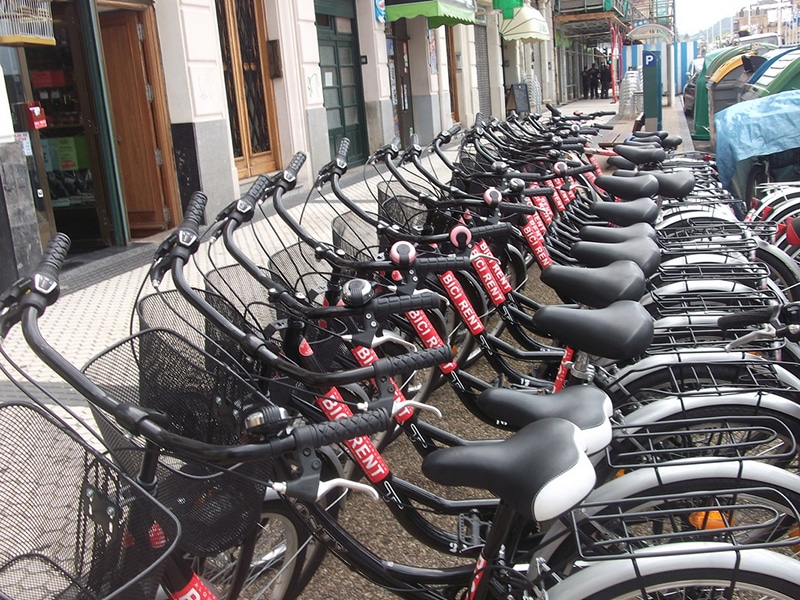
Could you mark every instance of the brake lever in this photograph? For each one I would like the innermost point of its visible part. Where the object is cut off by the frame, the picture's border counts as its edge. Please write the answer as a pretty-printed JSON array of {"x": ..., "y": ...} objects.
[
  {"x": 384, "y": 338},
  {"x": 326, "y": 486},
  {"x": 768, "y": 332},
  {"x": 398, "y": 407}
]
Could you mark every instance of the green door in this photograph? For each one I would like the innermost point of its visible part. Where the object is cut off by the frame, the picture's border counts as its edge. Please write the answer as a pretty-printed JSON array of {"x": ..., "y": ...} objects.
[{"x": 341, "y": 84}]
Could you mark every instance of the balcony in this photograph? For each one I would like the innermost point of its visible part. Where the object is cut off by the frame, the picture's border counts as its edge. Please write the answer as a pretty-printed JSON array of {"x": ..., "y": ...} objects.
[
  {"x": 569, "y": 7},
  {"x": 590, "y": 20}
]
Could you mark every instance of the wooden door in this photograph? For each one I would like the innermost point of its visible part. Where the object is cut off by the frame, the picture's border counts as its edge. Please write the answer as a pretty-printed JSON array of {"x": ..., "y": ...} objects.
[
  {"x": 400, "y": 80},
  {"x": 139, "y": 158},
  {"x": 251, "y": 103},
  {"x": 451, "y": 74}
]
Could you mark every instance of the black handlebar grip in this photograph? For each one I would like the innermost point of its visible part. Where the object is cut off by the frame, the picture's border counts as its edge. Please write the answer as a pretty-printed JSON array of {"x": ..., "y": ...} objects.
[
  {"x": 336, "y": 432},
  {"x": 454, "y": 130},
  {"x": 50, "y": 264},
  {"x": 258, "y": 190},
  {"x": 390, "y": 305},
  {"x": 553, "y": 110},
  {"x": 602, "y": 126},
  {"x": 440, "y": 264},
  {"x": 479, "y": 119},
  {"x": 510, "y": 208},
  {"x": 344, "y": 148},
  {"x": 606, "y": 113},
  {"x": 748, "y": 317},
  {"x": 588, "y": 131},
  {"x": 572, "y": 140},
  {"x": 538, "y": 191},
  {"x": 572, "y": 147},
  {"x": 194, "y": 213},
  {"x": 490, "y": 231},
  {"x": 297, "y": 162},
  {"x": 413, "y": 361},
  {"x": 578, "y": 170}
]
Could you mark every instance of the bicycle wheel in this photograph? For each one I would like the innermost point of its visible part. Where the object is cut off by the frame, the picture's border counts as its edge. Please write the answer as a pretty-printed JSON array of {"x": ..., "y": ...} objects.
[
  {"x": 716, "y": 577},
  {"x": 780, "y": 273},
  {"x": 269, "y": 562}
]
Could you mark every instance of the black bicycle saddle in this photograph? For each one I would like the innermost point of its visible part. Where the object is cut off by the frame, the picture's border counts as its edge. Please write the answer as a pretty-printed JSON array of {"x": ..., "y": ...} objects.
[
  {"x": 598, "y": 287},
  {"x": 643, "y": 251},
  {"x": 602, "y": 233},
  {"x": 541, "y": 471},
  {"x": 621, "y": 331},
  {"x": 677, "y": 184},
  {"x": 584, "y": 405},
  {"x": 643, "y": 210},
  {"x": 628, "y": 188},
  {"x": 640, "y": 156}
]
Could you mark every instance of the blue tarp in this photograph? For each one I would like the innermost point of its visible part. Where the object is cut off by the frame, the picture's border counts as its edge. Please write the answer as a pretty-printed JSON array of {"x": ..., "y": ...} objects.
[{"x": 756, "y": 128}]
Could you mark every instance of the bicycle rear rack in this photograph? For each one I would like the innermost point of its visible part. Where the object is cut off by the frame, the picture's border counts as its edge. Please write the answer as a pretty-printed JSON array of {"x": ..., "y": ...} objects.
[
  {"x": 606, "y": 531},
  {"x": 750, "y": 273},
  {"x": 701, "y": 440},
  {"x": 708, "y": 336},
  {"x": 711, "y": 302}
]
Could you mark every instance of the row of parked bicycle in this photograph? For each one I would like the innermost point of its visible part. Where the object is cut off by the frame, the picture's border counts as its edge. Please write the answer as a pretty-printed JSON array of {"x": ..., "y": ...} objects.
[{"x": 647, "y": 425}]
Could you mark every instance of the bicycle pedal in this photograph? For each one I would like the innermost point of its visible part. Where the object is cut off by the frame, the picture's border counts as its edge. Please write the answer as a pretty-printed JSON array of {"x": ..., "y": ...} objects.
[{"x": 471, "y": 531}]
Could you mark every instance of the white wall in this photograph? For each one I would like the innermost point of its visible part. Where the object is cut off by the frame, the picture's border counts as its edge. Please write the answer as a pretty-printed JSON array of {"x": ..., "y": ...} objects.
[
  {"x": 6, "y": 124},
  {"x": 193, "y": 75}
]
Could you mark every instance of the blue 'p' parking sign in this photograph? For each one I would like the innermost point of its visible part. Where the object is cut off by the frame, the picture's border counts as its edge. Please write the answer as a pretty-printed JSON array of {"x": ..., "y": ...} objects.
[{"x": 651, "y": 81}]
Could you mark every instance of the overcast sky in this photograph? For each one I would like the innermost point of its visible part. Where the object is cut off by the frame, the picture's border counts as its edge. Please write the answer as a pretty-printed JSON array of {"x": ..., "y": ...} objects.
[{"x": 692, "y": 16}]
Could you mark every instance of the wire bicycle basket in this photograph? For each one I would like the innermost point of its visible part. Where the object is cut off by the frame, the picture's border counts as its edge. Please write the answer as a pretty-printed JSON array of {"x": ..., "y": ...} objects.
[
  {"x": 202, "y": 399},
  {"x": 74, "y": 525}
]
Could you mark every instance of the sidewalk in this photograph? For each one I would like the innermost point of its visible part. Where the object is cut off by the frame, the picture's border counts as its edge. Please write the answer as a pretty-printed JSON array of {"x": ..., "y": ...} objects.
[
  {"x": 673, "y": 120},
  {"x": 98, "y": 297}
]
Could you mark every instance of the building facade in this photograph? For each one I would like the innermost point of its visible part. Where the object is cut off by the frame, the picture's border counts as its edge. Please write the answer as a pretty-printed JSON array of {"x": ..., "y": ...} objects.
[{"x": 145, "y": 102}]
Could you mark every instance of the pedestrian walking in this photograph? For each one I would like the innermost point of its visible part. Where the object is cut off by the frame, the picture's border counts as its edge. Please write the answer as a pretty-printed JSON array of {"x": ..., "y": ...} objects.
[
  {"x": 585, "y": 83},
  {"x": 605, "y": 80},
  {"x": 594, "y": 81}
]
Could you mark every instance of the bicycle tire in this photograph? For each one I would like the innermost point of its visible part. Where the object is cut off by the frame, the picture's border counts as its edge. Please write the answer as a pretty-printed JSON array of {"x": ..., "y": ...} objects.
[
  {"x": 704, "y": 576},
  {"x": 780, "y": 274},
  {"x": 236, "y": 574}
]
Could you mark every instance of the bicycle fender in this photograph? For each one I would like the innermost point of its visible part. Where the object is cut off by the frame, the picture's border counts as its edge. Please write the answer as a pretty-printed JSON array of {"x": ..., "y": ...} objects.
[{"x": 693, "y": 556}]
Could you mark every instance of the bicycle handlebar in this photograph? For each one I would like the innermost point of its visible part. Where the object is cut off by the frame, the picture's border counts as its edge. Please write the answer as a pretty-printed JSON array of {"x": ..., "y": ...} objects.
[
  {"x": 341, "y": 152},
  {"x": 140, "y": 421},
  {"x": 749, "y": 317},
  {"x": 52, "y": 260}
]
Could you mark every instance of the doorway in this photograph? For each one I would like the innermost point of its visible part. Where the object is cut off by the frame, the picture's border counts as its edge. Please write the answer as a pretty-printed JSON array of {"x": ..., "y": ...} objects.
[
  {"x": 138, "y": 112},
  {"x": 70, "y": 144},
  {"x": 451, "y": 73},
  {"x": 251, "y": 103},
  {"x": 341, "y": 84},
  {"x": 400, "y": 80}
]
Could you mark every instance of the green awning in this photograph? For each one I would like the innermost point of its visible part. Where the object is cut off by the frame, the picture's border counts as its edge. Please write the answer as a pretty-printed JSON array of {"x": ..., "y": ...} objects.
[
  {"x": 507, "y": 6},
  {"x": 438, "y": 12}
]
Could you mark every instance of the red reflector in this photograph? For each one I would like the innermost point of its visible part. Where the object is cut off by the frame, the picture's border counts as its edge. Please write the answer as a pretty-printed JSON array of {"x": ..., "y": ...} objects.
[{"x": 157, "y": 537}]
